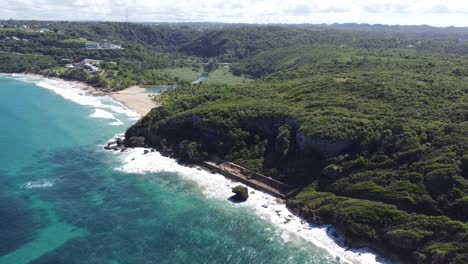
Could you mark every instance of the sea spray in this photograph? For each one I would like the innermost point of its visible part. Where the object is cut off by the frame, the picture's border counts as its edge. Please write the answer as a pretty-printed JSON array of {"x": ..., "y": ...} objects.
[
  {"x": 117, "y": 122},
  {"x": 213, "y": 186},
  {"x": 99, "y": 113},
  {"x": 216, "y": 186},
  {"x": 76, "y": 93},
  {"x": 40, "y": 184}
]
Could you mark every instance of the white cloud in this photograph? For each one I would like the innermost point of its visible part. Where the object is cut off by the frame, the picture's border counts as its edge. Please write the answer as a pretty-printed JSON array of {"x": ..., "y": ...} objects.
[{"x": 432, "y": 12}]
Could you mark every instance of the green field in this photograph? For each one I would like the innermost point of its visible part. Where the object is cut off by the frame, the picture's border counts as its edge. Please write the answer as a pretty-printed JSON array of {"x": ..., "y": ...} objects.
[
  {"x": 184, "y": 74},
  {"x": 223, "y": 75},
  {"x": 8, "y": 29},
  {"x": 75, "y": 41}
]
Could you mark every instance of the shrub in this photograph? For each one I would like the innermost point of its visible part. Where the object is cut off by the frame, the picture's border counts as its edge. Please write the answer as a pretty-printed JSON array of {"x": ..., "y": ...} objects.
[{"x": 332, "y": 171}]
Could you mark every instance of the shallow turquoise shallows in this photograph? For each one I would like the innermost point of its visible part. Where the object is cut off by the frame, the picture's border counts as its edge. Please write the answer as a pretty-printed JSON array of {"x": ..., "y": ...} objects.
[{"x": 62, "y": 200}]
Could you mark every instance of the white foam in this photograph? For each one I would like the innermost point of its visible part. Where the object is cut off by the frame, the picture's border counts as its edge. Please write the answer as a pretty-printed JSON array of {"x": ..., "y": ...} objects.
[
  {"x": 216, "y": 186},
  {"x": 76, "y": 92},
  {"x": 99, "y": 113},
  {"x": 116, "y": 123},
  {"x": 38, "y": 184}
]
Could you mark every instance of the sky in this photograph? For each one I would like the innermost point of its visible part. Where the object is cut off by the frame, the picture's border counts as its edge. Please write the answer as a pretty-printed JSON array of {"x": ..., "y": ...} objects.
[{"x": 393, "y": 12}]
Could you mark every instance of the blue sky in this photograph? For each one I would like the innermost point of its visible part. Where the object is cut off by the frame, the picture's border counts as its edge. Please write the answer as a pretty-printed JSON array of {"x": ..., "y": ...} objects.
[{"x": 396, "y": 12}]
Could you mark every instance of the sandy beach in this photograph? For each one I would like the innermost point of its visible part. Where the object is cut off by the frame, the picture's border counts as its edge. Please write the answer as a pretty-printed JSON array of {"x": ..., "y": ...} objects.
[
  {"x": 136, "y": 99},
  {"x": 294, "y": 230}
]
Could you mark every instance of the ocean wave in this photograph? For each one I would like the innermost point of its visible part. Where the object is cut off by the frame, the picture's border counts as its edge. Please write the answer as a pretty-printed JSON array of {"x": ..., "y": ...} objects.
[
  {"x": 117, "y": 122},
  {"x": 38, "y": 184},
  {"x": 266, "y": 206},
  {"x": 99, "y": 113},
  {"x": 76, "y": 93}
]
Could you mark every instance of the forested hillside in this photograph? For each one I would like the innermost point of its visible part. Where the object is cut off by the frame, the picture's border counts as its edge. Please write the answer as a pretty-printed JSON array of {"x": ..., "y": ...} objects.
[
  {"x": 371, "y": 122},
  {"x": 379, "y": 137},
  {"x": 149, "y": 49}
]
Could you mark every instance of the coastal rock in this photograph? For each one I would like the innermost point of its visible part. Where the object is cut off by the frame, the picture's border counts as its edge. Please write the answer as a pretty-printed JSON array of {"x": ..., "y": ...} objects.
[
  {"x": 135, "y": 142},
  {"x": 241, "y": 193}
]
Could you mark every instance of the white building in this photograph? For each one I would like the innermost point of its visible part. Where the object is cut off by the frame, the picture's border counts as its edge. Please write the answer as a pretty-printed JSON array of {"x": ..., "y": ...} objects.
[
  {"x": 110, "y": 46},
  {"x": 102, "y": 46},
  {"x": 91, "y": 67},
  {"x": 92, "y": 45}
]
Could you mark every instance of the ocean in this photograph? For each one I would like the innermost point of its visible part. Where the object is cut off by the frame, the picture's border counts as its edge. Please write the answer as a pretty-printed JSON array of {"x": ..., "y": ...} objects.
[{"x": 64, "y": 199}]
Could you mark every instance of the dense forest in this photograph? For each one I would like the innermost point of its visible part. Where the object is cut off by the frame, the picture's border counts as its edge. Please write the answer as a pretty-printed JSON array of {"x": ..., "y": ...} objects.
[
  {"x": 147, "y": 49},
  {"x": 371, "y": 122}
]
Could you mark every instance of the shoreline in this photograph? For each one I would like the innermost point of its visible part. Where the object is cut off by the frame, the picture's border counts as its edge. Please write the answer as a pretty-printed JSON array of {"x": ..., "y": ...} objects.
[
  {"x": 294, "y": 229},
  {"x": 266, "y": 206},
  {"x": 134, "y": 98}
]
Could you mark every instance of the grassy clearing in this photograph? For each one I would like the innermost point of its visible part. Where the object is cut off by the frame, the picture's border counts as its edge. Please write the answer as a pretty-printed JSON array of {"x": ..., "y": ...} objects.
[
  {"x": 223, "y": 75},
  {"x": 9, "y": 29},
  {"x": 184, "y": 74},
  {"x": 75, "y": 41}
]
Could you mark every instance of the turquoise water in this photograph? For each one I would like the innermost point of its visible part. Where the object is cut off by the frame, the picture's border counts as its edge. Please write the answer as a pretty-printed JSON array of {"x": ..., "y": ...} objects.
[{"x": 62, "y": 200}]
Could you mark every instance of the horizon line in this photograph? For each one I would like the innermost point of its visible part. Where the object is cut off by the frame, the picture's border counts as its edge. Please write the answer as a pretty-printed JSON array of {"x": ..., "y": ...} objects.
[{"x": 232, "y": 23}]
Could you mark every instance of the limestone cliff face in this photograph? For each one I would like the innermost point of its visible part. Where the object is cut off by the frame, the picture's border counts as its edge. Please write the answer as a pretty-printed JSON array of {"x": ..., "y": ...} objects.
[
  {"x": 268, "y": 126},
  {"x": 308, "y": 145},
  {"x": 194, "y": 127}
]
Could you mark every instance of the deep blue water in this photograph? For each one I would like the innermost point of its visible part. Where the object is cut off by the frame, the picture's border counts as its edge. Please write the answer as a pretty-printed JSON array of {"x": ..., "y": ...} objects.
[{"x": 63, "y": 201}]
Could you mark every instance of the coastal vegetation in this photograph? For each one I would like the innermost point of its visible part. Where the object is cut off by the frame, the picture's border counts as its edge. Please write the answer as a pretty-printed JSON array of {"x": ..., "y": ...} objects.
[
  {"x": 370, "y": 122},
  {"x": 379, "y": 138}
]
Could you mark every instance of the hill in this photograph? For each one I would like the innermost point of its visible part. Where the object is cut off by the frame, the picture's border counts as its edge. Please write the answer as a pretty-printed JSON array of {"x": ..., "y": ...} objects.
[
  {"x": 370, "y": 121},
  {"x": 378, "y": 138}
]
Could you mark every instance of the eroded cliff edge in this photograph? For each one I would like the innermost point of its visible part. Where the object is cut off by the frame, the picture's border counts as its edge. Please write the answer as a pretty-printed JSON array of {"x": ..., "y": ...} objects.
[{"x": 408, "y": 230}]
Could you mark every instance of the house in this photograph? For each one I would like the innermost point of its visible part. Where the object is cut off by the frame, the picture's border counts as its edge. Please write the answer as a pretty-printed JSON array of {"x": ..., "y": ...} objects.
[
  {"x": 110, "y": 46},
  {"x": 91, "y": 67},
  {"x": 91, "y": 61},
  {"x": 85, "y": 64},
  {"x": 92, "y": 46},
  {"x": 102, "y": 46}
]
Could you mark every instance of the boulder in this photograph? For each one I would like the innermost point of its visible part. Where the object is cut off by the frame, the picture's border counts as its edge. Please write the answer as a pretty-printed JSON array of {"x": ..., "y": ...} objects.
[{"x": 241, "y": 193}]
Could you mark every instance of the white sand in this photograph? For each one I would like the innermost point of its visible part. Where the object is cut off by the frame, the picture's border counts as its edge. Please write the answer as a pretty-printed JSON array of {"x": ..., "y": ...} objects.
[{"x": 136, "y": 99}]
